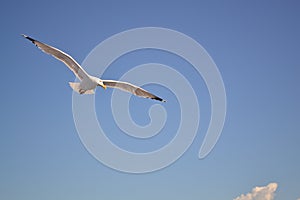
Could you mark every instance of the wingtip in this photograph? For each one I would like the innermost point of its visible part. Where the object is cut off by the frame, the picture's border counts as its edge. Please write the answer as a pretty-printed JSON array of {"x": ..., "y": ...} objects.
[
  {"x": 29, "y": 38},
  {"x": 159, "y": 99}
]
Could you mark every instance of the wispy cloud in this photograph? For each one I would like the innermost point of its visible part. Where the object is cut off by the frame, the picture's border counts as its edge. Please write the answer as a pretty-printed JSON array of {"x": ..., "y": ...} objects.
[{"x": 260, "y": 193}]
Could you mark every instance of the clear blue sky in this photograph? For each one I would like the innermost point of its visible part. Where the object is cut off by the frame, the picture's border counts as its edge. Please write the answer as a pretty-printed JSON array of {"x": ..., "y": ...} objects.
[{"x": 256, "y": 47}]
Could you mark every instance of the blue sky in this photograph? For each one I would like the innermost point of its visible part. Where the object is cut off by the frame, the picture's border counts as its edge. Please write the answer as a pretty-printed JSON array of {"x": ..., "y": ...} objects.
[{"x": 256, "y": 48}]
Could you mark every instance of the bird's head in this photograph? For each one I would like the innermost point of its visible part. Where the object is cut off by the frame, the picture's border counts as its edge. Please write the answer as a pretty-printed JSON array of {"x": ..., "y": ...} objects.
[{"x": 100, "y": 83}]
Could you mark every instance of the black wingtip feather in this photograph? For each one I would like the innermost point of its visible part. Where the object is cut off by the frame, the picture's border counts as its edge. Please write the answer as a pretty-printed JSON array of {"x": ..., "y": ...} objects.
[
  {"x": 159, "y": 99},
  {"x": 29, "y": 38}
]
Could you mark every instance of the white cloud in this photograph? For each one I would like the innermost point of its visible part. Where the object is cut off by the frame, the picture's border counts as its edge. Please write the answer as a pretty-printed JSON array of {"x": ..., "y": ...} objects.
[{"x": 260, "y": 193}]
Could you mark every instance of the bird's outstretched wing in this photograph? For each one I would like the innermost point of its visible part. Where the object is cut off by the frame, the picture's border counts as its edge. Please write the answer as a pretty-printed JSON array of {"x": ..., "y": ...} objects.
[
  {"x": 62, "y": 56},
  {"x": 128, "y": 87}
]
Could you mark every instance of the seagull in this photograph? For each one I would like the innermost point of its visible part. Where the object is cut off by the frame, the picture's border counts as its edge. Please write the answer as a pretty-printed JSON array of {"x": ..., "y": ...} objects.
[{"x": 88, "y": 83}]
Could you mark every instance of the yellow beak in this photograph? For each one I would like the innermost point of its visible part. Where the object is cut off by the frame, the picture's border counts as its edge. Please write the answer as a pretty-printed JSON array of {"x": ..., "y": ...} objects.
[{"x": 100, "y": 83}]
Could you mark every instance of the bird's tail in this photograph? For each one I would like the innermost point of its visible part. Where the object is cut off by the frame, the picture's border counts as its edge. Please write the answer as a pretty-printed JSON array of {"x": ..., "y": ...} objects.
[{"x": 76, "y": 87}]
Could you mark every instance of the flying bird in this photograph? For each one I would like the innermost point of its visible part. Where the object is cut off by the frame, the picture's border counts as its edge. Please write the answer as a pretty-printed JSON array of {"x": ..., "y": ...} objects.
[{"x": 88, "y": 83}]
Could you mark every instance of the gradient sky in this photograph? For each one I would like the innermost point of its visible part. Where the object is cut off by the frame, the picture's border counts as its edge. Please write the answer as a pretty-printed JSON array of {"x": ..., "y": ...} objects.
[{"x": 256, "y": 47}]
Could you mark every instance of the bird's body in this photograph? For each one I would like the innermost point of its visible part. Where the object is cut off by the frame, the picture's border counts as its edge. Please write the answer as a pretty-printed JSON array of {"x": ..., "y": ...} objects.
[{"x": 88, "y": 83}]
